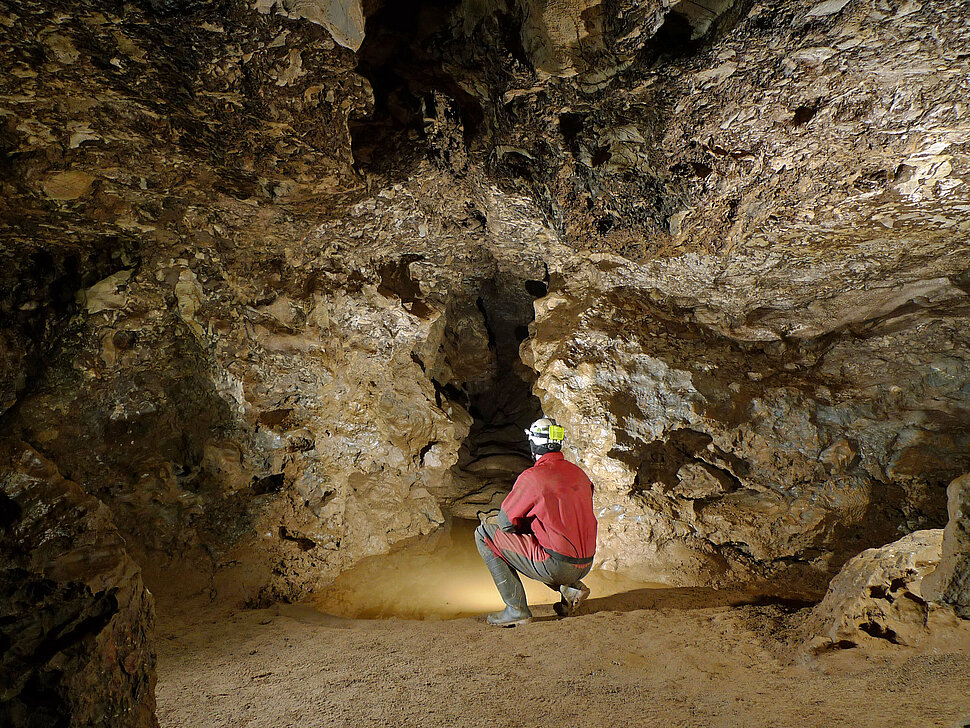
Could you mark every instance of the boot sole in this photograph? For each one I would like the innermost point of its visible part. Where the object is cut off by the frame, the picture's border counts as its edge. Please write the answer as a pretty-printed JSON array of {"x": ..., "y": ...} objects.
[
  {"x": 567, "y": 608},
  {"x": 515, "y": 623}
]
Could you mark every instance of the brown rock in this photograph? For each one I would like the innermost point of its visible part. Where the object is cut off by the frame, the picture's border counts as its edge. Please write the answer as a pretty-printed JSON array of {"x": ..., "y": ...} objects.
[
  {"x": 877, "y": 596},
  {"x": 77, "y": 620},
  {"x": 68, "y": 185}
]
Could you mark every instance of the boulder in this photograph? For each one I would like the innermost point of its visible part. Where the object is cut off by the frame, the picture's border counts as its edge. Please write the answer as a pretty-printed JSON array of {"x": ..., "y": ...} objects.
[{"x": 877, "y": 596}]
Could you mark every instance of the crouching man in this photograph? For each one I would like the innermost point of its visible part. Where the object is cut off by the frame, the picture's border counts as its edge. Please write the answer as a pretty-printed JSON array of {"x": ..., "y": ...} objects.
[{"x": 545, "y": 529}]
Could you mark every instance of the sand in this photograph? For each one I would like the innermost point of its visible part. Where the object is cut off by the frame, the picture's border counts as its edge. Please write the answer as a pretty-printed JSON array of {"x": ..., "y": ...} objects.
[{"x": 643, "y": 656}]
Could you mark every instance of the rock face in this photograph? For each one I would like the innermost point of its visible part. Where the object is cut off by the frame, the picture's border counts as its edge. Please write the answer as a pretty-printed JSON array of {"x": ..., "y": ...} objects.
[
  {"x": 75, "y": 618},
  {"x": 718, "y": 457},
  {"x": 950, "y": 582},
  {"x": 279, "y": 294},
  {"x": 263, "y": 368},
  {"x": 878, "y": 595}
]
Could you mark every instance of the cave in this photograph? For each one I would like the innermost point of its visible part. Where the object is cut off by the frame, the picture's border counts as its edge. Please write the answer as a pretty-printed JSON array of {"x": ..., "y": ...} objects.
[
  {"x": 284, "y": 281},
  {"x": 403, "y": 63}
]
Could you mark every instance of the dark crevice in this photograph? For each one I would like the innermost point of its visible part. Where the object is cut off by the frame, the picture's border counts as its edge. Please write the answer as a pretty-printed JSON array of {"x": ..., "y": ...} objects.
[
  {"x": 880, "y": 631},
  {"x": 267, "y": 484},
  {"x": 401, "y": 58},
  {"x": 304, "y": 543},
  {"x": 10, "y": 511},
  {"x": 502, "y": 404},
  {"x": 805, "y": 113},
  {"x": 426, "y": 449},
  {"x": 571, "y": 126},
  {"x": 537, "y": 289}
]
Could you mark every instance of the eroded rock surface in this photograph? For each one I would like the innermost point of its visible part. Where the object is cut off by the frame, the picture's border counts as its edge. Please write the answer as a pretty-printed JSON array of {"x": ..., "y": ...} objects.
[
  {"x": 950, "y": 582},
  {"x": 878, "y": 596},
  {"x": 76, "y": 622},
  {"x": 266, "y": 278},
  {"x": 716, "y": 456},
  {"x": 268, "y": 269}
]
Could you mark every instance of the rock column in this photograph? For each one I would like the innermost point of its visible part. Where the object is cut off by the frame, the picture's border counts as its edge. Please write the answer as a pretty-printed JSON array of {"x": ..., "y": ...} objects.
[{"x": 950, "y": 583}]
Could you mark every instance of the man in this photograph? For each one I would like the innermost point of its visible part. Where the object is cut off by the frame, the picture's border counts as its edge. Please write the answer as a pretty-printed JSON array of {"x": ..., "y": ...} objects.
[{"x": 545, "y": 529}]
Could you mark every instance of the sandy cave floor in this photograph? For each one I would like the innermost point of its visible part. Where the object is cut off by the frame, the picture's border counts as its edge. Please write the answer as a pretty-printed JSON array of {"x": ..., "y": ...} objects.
[{"x": 635, "y": 656}]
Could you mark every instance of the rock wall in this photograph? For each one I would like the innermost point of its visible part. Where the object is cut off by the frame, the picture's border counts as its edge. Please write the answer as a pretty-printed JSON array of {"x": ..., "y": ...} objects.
[
  {"x": 763, "y": 360},
  {"x": 261, "y": 359},
  {"x": 277, "y": 279},
  {"x": 76, "y": 622},
  {"x": 721, "y": 458}
]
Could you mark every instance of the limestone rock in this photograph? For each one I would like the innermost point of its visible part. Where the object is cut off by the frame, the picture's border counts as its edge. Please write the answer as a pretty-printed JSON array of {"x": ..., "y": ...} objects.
[
  {"x": 735, "y": 453},
  {"x": 878, "y": 595},
  {"x": 950, "y": 582},
  {"x": 343, "y": 18},
  {"x": 77, "y": 621},
  {"x": 68, "y": 185}
]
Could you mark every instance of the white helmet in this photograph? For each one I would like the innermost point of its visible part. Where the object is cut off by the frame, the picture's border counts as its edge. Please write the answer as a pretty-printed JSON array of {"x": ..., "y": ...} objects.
[{"x": 545, "y": 436}]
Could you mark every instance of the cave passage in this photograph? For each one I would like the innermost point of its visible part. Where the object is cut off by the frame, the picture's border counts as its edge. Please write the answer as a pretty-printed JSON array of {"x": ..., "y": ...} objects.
[{"x": 502, "y": 405}]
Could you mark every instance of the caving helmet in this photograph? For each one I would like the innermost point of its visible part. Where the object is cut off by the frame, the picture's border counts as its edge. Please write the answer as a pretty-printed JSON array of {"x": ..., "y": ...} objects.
[{"x": 545, "y": 436}]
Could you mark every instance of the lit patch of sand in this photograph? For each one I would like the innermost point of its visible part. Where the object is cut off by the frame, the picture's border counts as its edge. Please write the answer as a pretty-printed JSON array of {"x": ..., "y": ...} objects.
[{"x": 441, "y": 577}]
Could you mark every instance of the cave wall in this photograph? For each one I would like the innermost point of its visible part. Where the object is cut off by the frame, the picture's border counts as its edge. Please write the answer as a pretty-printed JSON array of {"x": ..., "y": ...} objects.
[
  {"x": 259, "y": 357},
  {"x": 720, "y": 458},
  {"x": 76, "y": 622},
  {"x": 764, "y": 361},
  {"x": 247, "y": 255}
]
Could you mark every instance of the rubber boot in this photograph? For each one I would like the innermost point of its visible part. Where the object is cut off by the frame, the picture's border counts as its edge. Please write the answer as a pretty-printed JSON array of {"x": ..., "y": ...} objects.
[
  {"x": 572, "y": 599},
  {"x": 509, "y": 587}
]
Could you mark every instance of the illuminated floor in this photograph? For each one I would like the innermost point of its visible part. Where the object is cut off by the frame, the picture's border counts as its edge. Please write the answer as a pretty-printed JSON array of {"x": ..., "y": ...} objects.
[{"x": 442, "y": 577}]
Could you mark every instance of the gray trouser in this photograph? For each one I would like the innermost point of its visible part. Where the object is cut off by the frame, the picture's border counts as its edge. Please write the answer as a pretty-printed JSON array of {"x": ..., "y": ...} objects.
[{"x": 552, "y": 572}]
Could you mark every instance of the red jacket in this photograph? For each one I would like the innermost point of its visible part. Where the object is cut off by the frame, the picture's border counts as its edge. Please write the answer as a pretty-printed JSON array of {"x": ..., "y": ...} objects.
[{"x": 554, "y": 501}]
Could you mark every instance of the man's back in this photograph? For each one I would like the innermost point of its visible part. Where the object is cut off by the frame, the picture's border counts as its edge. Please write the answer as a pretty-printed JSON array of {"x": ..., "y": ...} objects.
[{"x": 554, "y": 500}]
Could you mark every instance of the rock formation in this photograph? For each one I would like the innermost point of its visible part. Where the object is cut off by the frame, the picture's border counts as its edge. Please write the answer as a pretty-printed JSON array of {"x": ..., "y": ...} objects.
[
  {"x": 75, "y": 618},
  {"x": 280, "y": 280},
  {"x": 949, "y": 583},
  {"x": 878, "y": 595}
]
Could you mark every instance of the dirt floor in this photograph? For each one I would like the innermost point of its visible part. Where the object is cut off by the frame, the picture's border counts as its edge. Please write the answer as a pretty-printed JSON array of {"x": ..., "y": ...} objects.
[{"x": 633, "y": 657}]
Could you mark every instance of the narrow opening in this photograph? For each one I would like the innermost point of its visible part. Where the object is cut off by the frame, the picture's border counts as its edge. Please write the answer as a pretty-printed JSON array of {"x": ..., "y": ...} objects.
[{"x": 502, "y": 405}]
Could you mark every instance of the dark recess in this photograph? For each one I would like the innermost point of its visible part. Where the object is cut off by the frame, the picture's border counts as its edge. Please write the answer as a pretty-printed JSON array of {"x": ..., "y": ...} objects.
[
  {"x": 536, "y": 289},
  {"x": 400, "y": 57},
  {"x": 804, "y": 114}
]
